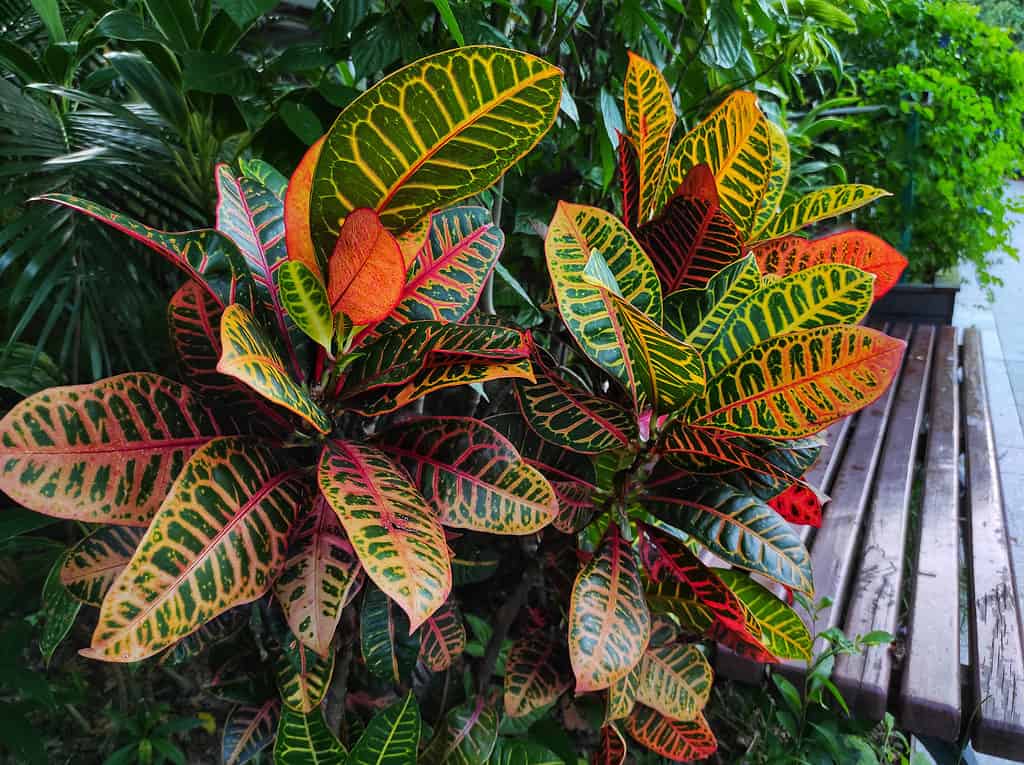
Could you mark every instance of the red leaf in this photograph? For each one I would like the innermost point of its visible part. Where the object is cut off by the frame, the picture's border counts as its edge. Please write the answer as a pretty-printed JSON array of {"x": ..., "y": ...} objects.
[
  {"x": 612, "y": 748},
  {"x": 678, "y": 741},
  {"x": 298, "y": 240},
  {"x": 798, "y": 504},
  {"x": 789, "y": 254},
  {"x": 630, "y": 180},
  {"x": 366, "y": 271}
]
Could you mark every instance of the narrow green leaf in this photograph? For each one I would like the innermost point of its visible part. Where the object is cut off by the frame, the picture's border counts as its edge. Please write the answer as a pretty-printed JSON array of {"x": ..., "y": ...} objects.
[
  {"x": 305, "y": 300},
  {"x": 59, "y": 611},
  {"x": 450, "y": 22},
  {"x": 304, "y": 739}
]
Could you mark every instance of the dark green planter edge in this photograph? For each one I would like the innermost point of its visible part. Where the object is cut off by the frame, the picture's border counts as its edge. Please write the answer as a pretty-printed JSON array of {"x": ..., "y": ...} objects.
[{"x": 917, "y": 303}]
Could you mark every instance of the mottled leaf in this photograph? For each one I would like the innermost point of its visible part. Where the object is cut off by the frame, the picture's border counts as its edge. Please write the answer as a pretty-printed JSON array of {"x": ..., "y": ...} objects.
[
  {"x": 533, "y": 679},
  {"x": 91, "y": 566},
  {"x": 677, "y": 741},
  {"x": 820, "y": 204},
  {"x": 443, "y": 639},
  {"x": 675, "y": 680},
  {"x": 305, "y": 300},
  {"x": 248, "y": 731}
]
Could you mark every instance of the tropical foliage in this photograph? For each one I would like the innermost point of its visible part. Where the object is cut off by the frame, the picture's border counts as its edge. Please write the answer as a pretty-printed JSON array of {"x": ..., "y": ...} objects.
[{"x": 646, "y": 446}]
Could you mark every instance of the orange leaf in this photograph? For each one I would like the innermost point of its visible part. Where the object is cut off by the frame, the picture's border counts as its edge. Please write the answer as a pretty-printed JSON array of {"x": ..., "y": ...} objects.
[
  {"x": 366, "y": 271},
  {"x": 298, "y": 240}
]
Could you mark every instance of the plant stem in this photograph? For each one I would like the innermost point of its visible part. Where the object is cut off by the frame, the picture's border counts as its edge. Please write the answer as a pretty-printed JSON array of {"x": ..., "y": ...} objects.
[{"x": 503, "y": 622}]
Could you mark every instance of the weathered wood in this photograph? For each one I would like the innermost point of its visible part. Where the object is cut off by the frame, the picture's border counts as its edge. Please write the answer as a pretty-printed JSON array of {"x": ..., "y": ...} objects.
[
  {"x": 874, "y": 603},
  {"x": 997, "y": 653},
  {"x": 930, "y": 693}
]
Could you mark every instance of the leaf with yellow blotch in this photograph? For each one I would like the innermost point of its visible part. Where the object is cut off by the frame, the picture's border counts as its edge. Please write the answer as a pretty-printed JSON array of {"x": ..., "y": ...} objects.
[
  {"x": 650, "y": 118},
  {"x": 777, "y": 182},
  {"x": 533, "y": 679},
  {"x": 820, "y": 205},
  {"x": 675, "y": 680},
  {"x": 92, "y": 565}
]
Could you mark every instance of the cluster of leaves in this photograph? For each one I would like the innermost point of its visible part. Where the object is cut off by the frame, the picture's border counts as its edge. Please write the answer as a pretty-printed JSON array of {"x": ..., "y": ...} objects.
[
  {"x": 720, "y": 343},
  {"x": 947, "y": 136}
]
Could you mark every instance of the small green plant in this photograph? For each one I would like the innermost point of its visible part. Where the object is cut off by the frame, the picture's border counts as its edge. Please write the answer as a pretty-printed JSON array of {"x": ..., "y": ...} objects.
[{"x": 152, "y": 735}]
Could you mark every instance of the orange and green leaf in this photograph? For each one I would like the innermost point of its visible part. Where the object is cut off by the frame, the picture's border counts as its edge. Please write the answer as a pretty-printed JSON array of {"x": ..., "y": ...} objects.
[
  {"x": 609, "y": 623},
  {"x": 777, "y": 182},
  {"x": 674, "y": 740},
  {"x": 611, "y": 747},
  {"x": 232, "y": 509},
  {"x": 622, "y": 695},
  {"x": 782, "y": 631},
  {"x": 92, "y": 565},
  {"x": 696, "y": 315},
  {"x": 472, "y": 475},
  {"x": 366, "y": 271},
  {"x": 675, "y": 680},
  {"x": 789, "y": 254},
  {"x": 298, "y": 238},
  {"x": 104, "y": 452},
  {"x": 393, "y": 529},
  {"x": 650, "y": 117},
  {"x": 533, "y": 679}
]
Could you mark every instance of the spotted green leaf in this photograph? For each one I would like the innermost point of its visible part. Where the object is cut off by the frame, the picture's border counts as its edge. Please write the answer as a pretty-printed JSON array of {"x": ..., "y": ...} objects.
[
  {"x": 472, "y": 475},
  {"x": 302, "y": 676},
  {"x": 443, "y": 639},
  {"x": 394, "y": 531},
  {"x": 91, "y": 566},
  {"x": 207, "y": 256},
  {"x": 104, "y": 452},
  {"x": 820, "y": 205},
  {"x": 782, "y": 631},
  {"x": 250, "y": 357},
  {"x": 248, "y": 731},
  {"x": 432, "y": 133},
  {"x": 467, "y": 735},
  {"x": 388, "y": 648},
  {"x": 392, "y": 736},
  {"x": 801, "y": 382},
  {"x": 231, "y": 509},
  {"x": 680, "y": 600},
  {"x": 320, "y": 576},
  {"x": 609, "y": 623},
  {"x": 822, "y": 295},
  {"x": 304, "y": 738},
  {"x": 533, "y": 678},
  {"x": 575, "y": 231},
  {"x": 622, "y": 695},
  {"x": 737, "y": 527},
  {"x": 675, "y": 680},
  {"x": 777, "y": 182},
  {"x": 305, "y": 301},
  {"x": 650, "y": 117}
]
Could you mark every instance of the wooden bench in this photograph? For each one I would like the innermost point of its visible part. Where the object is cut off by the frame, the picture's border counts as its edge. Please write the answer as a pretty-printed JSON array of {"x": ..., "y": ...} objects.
[{"x": 930, "y": 566}]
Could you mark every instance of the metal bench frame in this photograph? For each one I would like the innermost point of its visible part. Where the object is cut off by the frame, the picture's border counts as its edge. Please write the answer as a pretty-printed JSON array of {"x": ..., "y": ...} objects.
[{"x": 934, "y": 424}]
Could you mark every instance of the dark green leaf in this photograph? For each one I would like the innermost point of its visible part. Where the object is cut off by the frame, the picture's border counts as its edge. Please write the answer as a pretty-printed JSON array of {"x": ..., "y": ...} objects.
[
  {"x": 225, "y": 73},
  {"x": 177, "y": 20},
  {"x": 391, "y": 738},
  {"x": 302, "y": 121},
  {"x": 152, "y": 86},
  {"x": 15, "y": 521},
  {"x": 59, "y": 611},
  {"x": 244, "y": 12}
]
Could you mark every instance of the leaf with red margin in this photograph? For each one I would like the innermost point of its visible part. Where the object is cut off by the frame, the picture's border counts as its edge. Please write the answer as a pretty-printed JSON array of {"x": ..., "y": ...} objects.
[
  {"x": 366, "y": 271},
  {"x": 741, "y": 643},
  {"x": 443, "y": 638},
  {"x": 576, "y": 505},
  {"x": 693, "y": 238},
  {"x": 650, "y": 117},
  {"x": 533, "y": 679},
  {"x": 609, "y": 623},
  {"x": 611, "y": 748},
  {"x": 248, "y": 731},
  {"x": 789, "y": 254},
  {"x": 559, "y": 465},
  {"x": 677, "y": 741},
  {"x": 296, "y": 212},
  {"x": 630, "y": 180},
  {"x": 799, "y": 504},
  {"x": 703, "y": 451}
]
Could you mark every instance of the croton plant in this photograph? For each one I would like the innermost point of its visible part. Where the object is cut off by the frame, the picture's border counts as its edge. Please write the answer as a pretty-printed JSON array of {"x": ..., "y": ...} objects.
[{"x": 650, "y": 459}]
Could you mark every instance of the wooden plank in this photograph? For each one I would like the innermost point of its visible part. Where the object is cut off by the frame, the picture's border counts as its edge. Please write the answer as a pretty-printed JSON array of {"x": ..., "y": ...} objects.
[
  {"x": 929, "y": 703},
  {"x": 874, "y": 603},
  {"x": 997, "y": 653}
]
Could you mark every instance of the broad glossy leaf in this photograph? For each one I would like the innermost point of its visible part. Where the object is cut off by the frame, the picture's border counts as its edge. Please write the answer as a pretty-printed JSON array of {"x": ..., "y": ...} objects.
[
  {"x": 366, "y": 271},
  {"x": 629, "y": 177},
  {"x": 389, "y": 649},
  {"x": 248, "y": 731},
  {"x": 472, "y": 475},
  {"x": 250, "y": 357},
  {"x": 411, "y": 241},
  {"x": 622, "y": 695},
  {"x": 466, "y": 737},
  {"x": 305, "y": 300},
  {"x": 782, "y": 631},
  {"x": 800, "y": 383},
  {"x": 818, "y": 296},
  {"x": 609, "y": 623},
  {"x": 798, "y": 504},
  {"x": 437, "y": 131},
  {"x": 391, "y": 526},
  {"x": 264, "y": 174},
  {"x": 735, "y": 141},
  {"x": 392, "y": 736},
  {"x": 252, "y": 216},
  {"x": 533, "y": 679},
  {"x": 443, "y": 639},
  {"x": 207, "y": 256},
  {"x": 231, "y": 509},
  {"x": 664, "y": 629},
  {"x": 302, "y": 676},
  {"x": 575, "y": 231},
  {"x": 572, "y": 418},
  {"x": 680, "y": 600},
  {"x": 865, "y": 251},
  {"x": 517, "y": 751},
  {"x": 422, "y": 346},
  {"x": 703, "y": 451},
  {"x": 667, "y": 373},
  {"x": 650, "y": 118},
  {"x": 305, "y": 738},
  {"x": 104, "y": 452},
  {"x": 820, "y": 205},
  {"x": 559, "y": 465},
  {"x": 696, "y": 315},
  {"x": 576, "y": 505},
  {"x": 611, "y": 748},
  {"x": 319, "y": 577},
  {"x": 448, "y": 272},
  {"x": 211, "y": 633},
  {"x": 777, "y": 182},
  {"x": 675, "y": 680},
  {"x": 296, "y": 214},
  {"x": 677, "y": 741},
  {"x": 745, "y": 643},
  {"x": 738, "y": 528},
  {"x": 194, "y": 318},
  {"x": 692, "y": 239},
  {"x": 668, "y": 560},
  {"x": 91, "y": 566}
]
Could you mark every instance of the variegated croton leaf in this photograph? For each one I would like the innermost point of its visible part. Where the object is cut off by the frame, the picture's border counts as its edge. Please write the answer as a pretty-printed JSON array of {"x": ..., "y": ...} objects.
[
  {"x": 675, "y": 740},
  {"x": 388, "y": 646},
  {"x": 534, "y": 678},
  {"x": 92, "y": 565},
  {"x": 444, "y": 638}
]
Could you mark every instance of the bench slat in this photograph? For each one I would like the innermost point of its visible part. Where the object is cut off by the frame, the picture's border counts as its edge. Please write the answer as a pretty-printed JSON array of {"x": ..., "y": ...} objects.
[
  {"x": 997, "y": 660},
  {"x": 874, "y": 603},
  {"x": 930, "y": 692}
]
